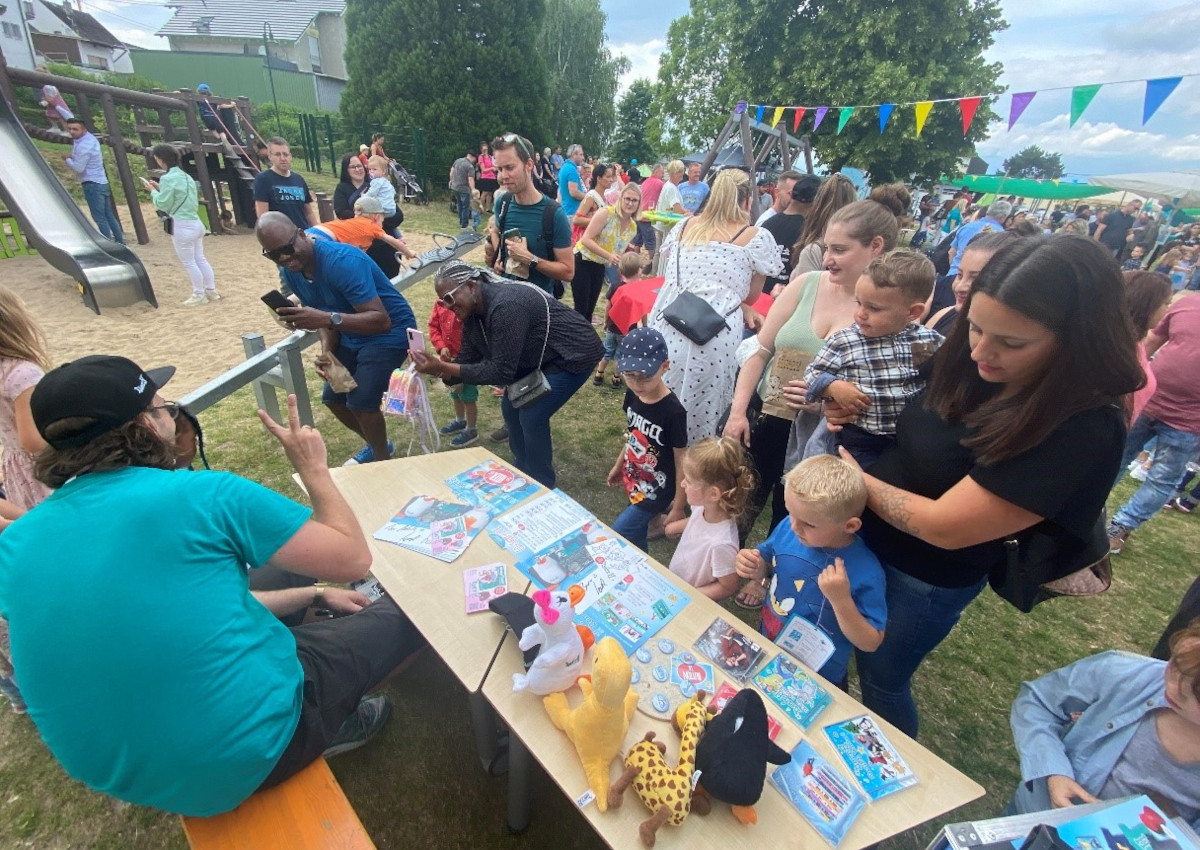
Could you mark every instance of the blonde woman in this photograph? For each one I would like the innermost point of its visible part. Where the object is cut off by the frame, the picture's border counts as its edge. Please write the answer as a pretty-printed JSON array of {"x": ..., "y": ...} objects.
[
  {"x": 719, "y": 257},
  {"x": 609, "y": 232}
]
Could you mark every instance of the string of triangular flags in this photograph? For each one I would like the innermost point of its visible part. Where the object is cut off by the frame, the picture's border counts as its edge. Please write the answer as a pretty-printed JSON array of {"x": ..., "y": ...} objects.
[{"x": 1157, "y": 91}]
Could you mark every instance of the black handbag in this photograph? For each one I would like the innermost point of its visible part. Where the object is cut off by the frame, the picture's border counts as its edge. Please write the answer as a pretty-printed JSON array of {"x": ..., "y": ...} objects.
[
  {"x": 534, "y": 386},
  {"x": 1039, "y": 565},
  {"x": 690, "y": 314},
  {"x": 168, "y": 221}
]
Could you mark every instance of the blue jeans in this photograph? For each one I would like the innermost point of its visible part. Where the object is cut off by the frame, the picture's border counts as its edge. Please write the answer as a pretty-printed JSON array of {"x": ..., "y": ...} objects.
[
  {"x": 1171, "y": 454},
  {"x": 529, "y": 427},
  {"x": 463, "y": 201},
  {"x": 919, "y": 617},
  {"x": 633, "y": 524},
  {"x": 99, "y": 201}
]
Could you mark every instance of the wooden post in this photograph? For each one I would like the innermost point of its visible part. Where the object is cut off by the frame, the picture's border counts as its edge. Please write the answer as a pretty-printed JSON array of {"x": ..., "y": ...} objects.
[
  {"x": 747, "y": 143},
  {"x": 122, "y": 157},
  {"x": 83, "y": 110},
  {"x": 786, "y": 150},
  {"x": 806, "y": 146},
  {"x": 766, "y": 149},
  {"x": 197, "y": 143},
  {"x": 722, "y": 137},
  {"x": 6, "y": 88},
  {"x": 164, "y": 118}
]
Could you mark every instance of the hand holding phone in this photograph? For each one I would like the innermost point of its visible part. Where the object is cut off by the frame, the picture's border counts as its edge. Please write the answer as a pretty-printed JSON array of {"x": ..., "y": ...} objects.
[
  {"x": 276, "y": 300},
  {"x": 512, "y": 233},
  {"x": 416, "y": 340}
]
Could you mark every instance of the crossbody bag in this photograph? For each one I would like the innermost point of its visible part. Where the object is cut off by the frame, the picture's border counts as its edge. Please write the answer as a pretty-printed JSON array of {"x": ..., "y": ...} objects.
[
  {"x": 690, "y": 314},
  {"x": 168, "y": 220},
  {"x": 533, "y": 386}
]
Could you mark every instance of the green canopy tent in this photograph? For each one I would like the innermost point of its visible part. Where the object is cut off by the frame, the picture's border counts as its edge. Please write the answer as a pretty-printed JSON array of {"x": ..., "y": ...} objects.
[{"x": 1043, "y": 189}]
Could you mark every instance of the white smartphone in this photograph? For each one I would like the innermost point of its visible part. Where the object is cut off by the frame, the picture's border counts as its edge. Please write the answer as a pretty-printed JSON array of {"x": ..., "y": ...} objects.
[{"x": 416, "y": 340}]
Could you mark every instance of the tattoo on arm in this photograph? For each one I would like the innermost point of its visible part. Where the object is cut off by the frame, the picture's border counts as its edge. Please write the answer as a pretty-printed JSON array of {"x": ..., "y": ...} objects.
[{"x": 892, "y": 504}]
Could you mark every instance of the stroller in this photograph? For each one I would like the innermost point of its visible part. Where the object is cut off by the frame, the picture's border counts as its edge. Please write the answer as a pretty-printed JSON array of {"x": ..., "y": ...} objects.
[{"x": 409, "y": 188}]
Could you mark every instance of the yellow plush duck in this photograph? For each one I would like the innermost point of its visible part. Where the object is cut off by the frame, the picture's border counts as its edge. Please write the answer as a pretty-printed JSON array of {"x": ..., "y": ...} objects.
[
  {"x": 666, "y": 793},
  {"x": 598, "y": 726}
]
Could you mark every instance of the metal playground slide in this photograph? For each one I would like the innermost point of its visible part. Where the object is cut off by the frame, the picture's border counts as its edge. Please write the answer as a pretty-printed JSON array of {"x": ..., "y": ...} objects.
[{"x": 108, "y": 274}]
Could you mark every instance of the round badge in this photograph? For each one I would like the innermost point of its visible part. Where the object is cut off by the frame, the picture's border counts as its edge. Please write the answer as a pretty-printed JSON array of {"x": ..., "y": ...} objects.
[
  {"x": 660, "y": 704},
  {"x": 687, "y": 689},
  {"x": 643, "y": 655},
  {"x": 666, "y": 646},
  {"x": 687, "y": 658},
  {"x": 635, "y": 677},
  {"x": 660, "y": 673}
]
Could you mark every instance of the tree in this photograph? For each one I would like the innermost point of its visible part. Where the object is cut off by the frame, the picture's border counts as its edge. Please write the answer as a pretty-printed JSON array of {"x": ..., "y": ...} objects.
[
  {"x": 463, "y": 70},
  {"x": 823, "y": 52},
  {"x": 633, "y": 117},
  {"x": 1035, "y": 163},
  {"x": 581, "y": 72}
]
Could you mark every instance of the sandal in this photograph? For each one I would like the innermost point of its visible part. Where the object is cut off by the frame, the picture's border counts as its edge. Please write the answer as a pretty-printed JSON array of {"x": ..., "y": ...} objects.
[
  {"x": 617, "y": 383},
  {"x": 751, "y": 596},
  {"x": 598, "y": 380}
]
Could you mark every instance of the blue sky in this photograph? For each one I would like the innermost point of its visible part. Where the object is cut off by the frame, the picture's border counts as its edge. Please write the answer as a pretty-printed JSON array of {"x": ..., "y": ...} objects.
[{"x": 1048, "y": 44}]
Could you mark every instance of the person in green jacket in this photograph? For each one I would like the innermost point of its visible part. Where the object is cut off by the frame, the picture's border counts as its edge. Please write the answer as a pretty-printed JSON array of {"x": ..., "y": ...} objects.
[{"x": 178, "y": 195}]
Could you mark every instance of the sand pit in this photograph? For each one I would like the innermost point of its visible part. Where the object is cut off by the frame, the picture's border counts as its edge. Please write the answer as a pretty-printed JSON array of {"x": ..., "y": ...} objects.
[{"x": 202, "y": 342}]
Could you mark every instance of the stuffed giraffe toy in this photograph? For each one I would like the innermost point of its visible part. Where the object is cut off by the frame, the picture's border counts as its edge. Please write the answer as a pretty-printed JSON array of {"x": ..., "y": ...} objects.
[
  {"x": 598, "y": 725},
  {"x": 666, "y": 793}
]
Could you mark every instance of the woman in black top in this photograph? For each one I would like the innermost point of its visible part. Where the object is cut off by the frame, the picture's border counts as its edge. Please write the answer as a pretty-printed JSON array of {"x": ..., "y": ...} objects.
[
  {"x": 353, "y": 181},
  {"x": 509, "y": 330},
  {"x": 1023, "y": 425}
]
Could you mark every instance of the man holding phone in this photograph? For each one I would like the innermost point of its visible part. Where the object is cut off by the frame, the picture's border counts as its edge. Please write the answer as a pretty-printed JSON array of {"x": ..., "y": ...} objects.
[
  {"x": 360, "y": 316},
  {"x": 529, "y": 237}
]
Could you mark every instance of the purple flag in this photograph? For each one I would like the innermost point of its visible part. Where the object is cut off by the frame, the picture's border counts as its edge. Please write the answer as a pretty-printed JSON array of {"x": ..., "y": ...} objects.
[
  {"x": 821, "y": 110},
  {"x": 1019, "y": 102}
]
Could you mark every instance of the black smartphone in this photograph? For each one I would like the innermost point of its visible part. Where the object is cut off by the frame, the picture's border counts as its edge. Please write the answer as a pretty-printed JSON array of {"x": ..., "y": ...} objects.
[
  {"x": 512, "y": 233},
  {"x": 276, "y": 299}
]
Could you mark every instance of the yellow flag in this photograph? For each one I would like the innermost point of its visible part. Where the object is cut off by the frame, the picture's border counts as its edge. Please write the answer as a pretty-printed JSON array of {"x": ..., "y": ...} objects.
[
  {"x": 922, "y": 110},
  {"x": 777, "y": 116}
]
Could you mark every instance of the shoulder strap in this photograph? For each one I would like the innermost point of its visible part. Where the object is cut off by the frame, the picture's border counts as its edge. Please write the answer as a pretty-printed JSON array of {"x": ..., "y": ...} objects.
[
  {"x": 501, "y": 218},
  {"x": 739, "y": 233},
  {"x": 548, "y": 213}
]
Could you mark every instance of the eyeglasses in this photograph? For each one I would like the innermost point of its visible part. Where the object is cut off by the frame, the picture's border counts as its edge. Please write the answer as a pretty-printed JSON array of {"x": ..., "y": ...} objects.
[
  {"x": 353, "y": 167},
  {"x": 276, "y": 255},
  {"x": 448, "y": 298},
  {"x": 171, "y": 407},
  {"x": 514, "y": 139}
]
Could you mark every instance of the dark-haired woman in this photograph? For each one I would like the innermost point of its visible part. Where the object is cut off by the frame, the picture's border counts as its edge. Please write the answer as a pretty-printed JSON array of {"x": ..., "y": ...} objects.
[
  {"x": 352, "y": 183},
  {"x": 1147, "y": 299},
  {"x": 975, "y": 256},
  {"x": 1022, "y": 426},
  {"x": 178, "y": 195}
]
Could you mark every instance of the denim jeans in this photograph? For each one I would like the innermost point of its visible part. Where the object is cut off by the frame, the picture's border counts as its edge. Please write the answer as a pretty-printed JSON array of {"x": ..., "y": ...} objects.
[
  {"x": 1171, "y": 454},
  {"x": 99, "y": 201},
  {"x": 529, "y": 427},
  {"x": 919, "y": 617},
  {"x": 633, "y": 524},
  {"x": 463, "y": 201}
]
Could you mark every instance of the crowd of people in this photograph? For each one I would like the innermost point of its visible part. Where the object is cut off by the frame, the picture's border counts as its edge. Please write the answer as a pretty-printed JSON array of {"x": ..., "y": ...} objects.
[{"x": 932, "y": 427}]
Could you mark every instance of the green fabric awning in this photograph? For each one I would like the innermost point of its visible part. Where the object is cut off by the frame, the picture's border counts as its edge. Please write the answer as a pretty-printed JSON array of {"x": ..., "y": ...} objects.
[{"x": 1022, "y": 188}]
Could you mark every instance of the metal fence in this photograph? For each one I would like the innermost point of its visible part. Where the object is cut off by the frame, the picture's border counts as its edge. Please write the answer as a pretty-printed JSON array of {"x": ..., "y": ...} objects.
[{"x": 326, "y": 139}]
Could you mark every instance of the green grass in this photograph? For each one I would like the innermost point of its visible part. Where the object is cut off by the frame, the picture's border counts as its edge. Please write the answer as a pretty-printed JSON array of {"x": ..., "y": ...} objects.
[{"x": 420, "y": 784}]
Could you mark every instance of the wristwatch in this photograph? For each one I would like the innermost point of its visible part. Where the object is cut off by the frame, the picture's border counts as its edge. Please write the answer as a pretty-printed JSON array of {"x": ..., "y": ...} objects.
[
  {"x": 335, "y": 320},
  {"x": 533, "y": 261}
]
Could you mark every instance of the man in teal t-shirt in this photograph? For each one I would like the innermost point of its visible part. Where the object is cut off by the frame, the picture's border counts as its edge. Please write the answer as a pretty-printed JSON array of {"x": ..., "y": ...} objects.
[{"x": 150, "y": 670}]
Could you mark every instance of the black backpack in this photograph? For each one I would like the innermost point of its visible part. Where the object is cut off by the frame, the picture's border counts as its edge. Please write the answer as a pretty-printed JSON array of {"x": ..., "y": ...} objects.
[{"x": 548, "y": 212}]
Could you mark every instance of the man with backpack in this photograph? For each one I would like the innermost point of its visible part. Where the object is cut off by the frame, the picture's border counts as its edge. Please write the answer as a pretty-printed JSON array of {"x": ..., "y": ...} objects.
[{"x": 529, "y": 237}]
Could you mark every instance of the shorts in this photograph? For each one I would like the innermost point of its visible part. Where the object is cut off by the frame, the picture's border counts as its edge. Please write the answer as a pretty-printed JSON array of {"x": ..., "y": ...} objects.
[
  {"x": 372, "y": 367},
  {"x": 466, "y": 393},
  {"x": 612, "y": 341},
  {"x": 487, "y": 184}
]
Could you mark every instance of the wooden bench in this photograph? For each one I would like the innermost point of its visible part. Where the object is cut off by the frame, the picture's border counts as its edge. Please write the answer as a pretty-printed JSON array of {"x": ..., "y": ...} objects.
[{"x": 307, "y": 811}]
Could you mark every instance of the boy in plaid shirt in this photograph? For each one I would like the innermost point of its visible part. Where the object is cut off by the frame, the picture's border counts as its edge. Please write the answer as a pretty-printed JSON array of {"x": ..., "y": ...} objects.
[{"x": 871, "y": 366}]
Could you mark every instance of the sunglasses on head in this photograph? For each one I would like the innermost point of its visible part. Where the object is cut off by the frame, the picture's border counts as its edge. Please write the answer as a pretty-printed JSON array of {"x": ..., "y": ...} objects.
[
  {"x": 276, "y": 255},
  {"x": 514, "y": 139}
]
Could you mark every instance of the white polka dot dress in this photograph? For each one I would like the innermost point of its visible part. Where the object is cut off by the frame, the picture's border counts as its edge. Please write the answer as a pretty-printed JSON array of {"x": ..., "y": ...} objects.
[{"x": 719, "y": 272}]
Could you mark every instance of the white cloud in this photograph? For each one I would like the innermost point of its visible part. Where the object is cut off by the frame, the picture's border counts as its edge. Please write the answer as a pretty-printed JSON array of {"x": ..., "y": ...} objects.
[{"x": 643, "y": 59}]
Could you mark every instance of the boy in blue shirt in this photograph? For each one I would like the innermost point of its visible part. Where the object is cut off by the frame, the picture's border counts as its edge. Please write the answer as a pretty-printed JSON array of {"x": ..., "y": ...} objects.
[{"x": 816, "y": 569}]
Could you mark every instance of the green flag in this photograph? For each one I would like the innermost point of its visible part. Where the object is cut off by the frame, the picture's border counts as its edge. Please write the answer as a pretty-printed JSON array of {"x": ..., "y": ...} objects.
[
  {"x": 1081, "y": 96},
  {"x": 844, "y": 113}
]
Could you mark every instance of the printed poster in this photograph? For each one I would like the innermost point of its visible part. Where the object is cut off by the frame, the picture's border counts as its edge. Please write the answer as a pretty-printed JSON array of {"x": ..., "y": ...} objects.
[
  {"x": 870, "y": 756},
  {"x": 793, "y": 690},
  {"x": 492, "y": 485}
]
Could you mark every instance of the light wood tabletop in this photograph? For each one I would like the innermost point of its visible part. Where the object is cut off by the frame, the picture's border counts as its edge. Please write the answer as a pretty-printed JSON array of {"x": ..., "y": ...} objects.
[
  {"x": 430, "y": 591},
  {"x": 940, "y": 787}
]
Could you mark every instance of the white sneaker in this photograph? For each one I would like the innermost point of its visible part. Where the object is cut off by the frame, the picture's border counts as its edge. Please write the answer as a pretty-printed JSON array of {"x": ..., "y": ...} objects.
[
  {"x": 212, "y": 295},
  {"x": 196, "y": 298}
]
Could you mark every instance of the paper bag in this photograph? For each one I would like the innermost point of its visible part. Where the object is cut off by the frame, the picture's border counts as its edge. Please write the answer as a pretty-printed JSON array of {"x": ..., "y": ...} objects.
[{"x": 788, "y": 364}]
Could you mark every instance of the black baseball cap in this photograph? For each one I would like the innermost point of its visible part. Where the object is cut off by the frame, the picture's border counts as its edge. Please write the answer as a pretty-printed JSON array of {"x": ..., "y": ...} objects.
[
  {"x": 804, "y": 190},
  {"x": 642, "y": 350},
  {"x": 110, "y": 390}
]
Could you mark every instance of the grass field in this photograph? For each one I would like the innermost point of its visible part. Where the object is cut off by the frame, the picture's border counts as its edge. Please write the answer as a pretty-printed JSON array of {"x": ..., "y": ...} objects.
[{"x": 420, "y": 783}]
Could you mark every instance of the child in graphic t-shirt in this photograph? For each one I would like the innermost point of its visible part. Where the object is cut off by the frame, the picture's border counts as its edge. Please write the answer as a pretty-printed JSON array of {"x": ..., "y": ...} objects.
[
  {"x": 816, "y": 569},
  {"x": 718, "y": 480},
  {"x": 871, "y": 366},
  {"x": 631, "y": 269},
  {"x": 656, "y": 436}
]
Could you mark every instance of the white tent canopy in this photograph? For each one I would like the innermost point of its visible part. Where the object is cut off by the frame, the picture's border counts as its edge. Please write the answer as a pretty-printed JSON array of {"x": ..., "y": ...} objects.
[{"x": 1178, "y": 188}]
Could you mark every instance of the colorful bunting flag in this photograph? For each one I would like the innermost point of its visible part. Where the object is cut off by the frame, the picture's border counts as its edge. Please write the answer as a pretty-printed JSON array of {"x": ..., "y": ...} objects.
[
  {"x": 759, "y": 116},
  {"x": 885, "y": 112},
  {"x": 778, "y": 114},
  {"x": 741, "y": 107},
  {"x": 844, "y": 113},
  {"x": 1156, "y": 92},
  {"x": 1081, "y": 96},
  {"x": 968, "y": 105},
  {"x": 821, "y": 110},
  {"x": 922, "y": 111},
  {"x": 800, "y": 110},
  {"x": 1019, "y": 101}
]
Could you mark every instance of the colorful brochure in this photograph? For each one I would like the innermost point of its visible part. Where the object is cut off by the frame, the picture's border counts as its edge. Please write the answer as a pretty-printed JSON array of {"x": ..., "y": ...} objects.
[
  {"x": 483, "y": 584},
  {"x": 492, "y": 485},
  {"x": 733, "y": 652},
  {"x": 537, "y": 525},
  {"x": 793, "y": 690},
  {"x": 870, "y": 756},
  {"x": 434, "y": 527},
  {"x": 824, "y": 797}
]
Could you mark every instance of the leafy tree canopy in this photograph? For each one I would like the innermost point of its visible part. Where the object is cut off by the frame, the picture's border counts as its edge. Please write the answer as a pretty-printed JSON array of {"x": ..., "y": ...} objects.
[
  {"x": 633, "y": 117},
  {"x": 1034, "y": 163},
  {"x": 822, "y": 52}
]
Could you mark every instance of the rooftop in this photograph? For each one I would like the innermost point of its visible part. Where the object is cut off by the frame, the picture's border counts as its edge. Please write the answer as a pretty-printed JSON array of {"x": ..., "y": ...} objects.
[
  {"x": 288, "y": 19},
  {"x": 82, "y": 24}
]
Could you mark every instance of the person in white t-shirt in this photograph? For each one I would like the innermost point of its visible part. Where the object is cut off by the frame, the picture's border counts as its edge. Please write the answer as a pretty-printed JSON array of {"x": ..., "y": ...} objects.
[
  {"x": 718, "y": 481},
  {"x": 669, "y": 201}
]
